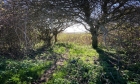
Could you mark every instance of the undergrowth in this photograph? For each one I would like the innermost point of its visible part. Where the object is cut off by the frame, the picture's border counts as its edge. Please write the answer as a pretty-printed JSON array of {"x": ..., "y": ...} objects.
[
  {"x": 76, "y": 73},
  {"x": 85, "y": 65},
  {"x": 82, "y": 65},
  {"x": 21, "y": 72},
  {"x": 79, "y": 68}
]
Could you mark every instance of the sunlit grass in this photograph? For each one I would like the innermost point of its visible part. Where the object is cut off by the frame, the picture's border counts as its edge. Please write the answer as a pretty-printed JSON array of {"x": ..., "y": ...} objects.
[
  {"x": 85, "y": 53},
  {"x": 82, "y": 64},
  {"x": 77, "y": 38},
  {"x": 82, "y": 70},
  {"x": 85, "y": 64}
]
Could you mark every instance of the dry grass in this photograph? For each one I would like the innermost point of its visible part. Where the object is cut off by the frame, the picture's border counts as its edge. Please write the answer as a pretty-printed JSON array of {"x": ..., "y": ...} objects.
[{"x": 77, "y": 38}]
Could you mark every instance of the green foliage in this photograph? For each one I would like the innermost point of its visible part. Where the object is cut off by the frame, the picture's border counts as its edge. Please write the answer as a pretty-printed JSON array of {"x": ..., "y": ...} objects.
[
  {"x": 17, "y": 72},
  {"x": 82, "y": 65},
  {"x": 79, "y": 67},
  {"x": 73, "y": 50},
  {"x": 80, "y": 72},
  {"x": 61, "y": 81},
  {"x": 76, "y": 73},
  {"x": 38, "y": 45}
]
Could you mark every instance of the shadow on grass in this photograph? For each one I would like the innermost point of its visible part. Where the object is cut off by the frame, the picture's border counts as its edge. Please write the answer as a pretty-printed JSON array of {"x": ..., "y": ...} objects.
[
  {"x": 111, "y": 73},
  {"x": 29, "y": 74},
  {"x": 33, "y": 53},
  {"x": 57, "y": 60}
]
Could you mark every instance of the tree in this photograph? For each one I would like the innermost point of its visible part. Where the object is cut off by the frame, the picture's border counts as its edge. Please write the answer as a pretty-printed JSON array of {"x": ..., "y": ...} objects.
[
  {"x": 124, "y": 36},
  {"x": 96, "y": 14},
  {"x": 17, "y": 26},
  {"x": 51, "y": 21},
  {"x": 12, "y": 34},
  {"x": 60, "y": 25},
  {"x": 22, "y": 22}
]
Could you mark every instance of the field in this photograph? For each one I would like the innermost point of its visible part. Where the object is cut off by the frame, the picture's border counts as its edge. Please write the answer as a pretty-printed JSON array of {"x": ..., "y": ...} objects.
[
  {"x": 70, "y": 61},
  {"x": 77, "y": 38}
]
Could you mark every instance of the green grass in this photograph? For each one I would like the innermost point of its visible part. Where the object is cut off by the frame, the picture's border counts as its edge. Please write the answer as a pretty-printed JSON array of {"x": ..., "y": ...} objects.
[
  {"x": 21, "y": 72},
  {"x": 83, "y": 70},
  {"x": 82, "y": 65},
  {"x": 24, "y": 71},
  {"x": 90, "y": 66},
  {"x": 85, "y": 53}
]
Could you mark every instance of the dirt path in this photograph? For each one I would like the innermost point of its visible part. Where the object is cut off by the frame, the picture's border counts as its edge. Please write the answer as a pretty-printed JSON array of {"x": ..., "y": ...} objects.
[{"x": 48, "y": 73}]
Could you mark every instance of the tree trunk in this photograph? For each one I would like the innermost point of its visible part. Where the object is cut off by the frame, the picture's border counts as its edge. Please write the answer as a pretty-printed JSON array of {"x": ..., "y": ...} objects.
[
  {"x": 93, "y": 31},
  {"x": 94, "y": 40},
  {"x": 89, "y": 21},
  {"x": 48, "y": 40},
  {"x": 55, "y": 38},
  {"x": 49, "y": 43}
]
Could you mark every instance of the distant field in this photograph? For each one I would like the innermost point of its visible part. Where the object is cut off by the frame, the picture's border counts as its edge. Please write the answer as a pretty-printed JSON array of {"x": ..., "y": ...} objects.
[{"x": 78, "y": 38}]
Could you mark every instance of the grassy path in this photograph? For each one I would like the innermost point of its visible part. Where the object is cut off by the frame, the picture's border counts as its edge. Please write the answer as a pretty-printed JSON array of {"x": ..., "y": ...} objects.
[
  {"x": 84, "y": 65},
  {"x": 48, "y": 73},
  {"x": 66, "y": 64}
]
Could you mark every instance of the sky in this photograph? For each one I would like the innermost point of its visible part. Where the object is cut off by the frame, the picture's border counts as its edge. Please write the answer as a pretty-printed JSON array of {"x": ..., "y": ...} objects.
[{"x": 77, "y": 28}]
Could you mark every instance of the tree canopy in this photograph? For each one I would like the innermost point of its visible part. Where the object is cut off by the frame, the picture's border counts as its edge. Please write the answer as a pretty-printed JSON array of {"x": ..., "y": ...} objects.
[{"x": 23, "y": 21}]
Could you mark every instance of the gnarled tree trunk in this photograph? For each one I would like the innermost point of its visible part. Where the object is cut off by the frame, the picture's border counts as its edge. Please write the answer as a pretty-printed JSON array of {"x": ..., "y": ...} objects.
[
  {"x": 94, "y": 32},
  {"x": 55, "y": 33},
  {"x": 94, "y": 41},
  {"x": 55, "y": 38},
  {"x": 94, "y": 37}
]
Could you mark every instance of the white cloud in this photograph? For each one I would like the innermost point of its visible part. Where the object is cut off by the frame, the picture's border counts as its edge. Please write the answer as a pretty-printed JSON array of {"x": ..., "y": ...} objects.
[{"x": 76, "y": 28}]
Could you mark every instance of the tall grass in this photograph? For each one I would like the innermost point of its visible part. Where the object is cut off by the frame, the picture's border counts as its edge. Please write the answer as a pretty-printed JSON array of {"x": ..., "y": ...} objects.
[{"x": 77, "y": 38}]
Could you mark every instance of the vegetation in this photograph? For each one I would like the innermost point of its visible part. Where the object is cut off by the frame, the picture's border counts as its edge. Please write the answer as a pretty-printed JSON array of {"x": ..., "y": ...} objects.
[
  {"x": 74, "y": 64},
  {"x": 76, "y": 38},
  {"x": 33, "y": 50},
  {"x": 22, "y": 72}
]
